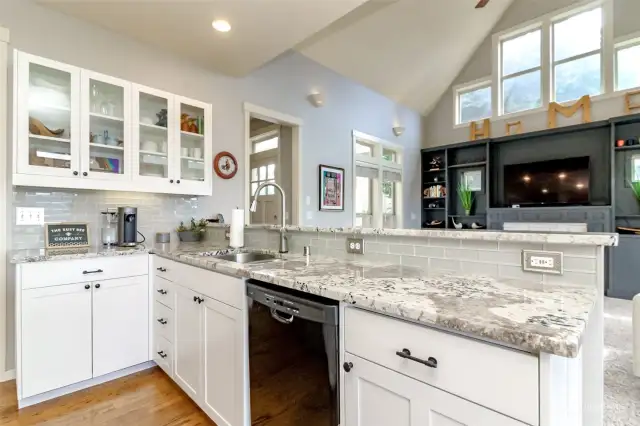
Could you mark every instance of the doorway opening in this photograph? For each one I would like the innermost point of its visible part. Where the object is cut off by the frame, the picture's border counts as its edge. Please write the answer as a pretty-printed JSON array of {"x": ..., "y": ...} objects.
[{"x": 272, "y": 154}]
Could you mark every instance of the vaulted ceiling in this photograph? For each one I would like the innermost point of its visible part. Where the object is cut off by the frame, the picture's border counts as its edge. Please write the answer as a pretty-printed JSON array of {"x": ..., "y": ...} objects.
[{"x": 408, "y": 50}]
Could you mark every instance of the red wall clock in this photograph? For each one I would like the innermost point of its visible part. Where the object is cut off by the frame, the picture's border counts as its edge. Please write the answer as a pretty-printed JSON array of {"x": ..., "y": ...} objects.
[{"x": 225, "y": 165}]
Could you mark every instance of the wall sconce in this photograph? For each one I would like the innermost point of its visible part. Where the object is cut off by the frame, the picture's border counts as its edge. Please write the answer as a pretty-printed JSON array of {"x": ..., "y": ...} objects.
[
  {"x": 316, "y": 99},
  {"x": 398, "y": 130}
]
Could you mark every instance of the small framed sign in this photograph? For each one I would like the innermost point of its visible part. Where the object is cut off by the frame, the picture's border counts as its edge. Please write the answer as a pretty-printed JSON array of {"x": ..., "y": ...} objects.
[
  {"x": 65, "y": 235},
  {"x": 331, "y": 191}
]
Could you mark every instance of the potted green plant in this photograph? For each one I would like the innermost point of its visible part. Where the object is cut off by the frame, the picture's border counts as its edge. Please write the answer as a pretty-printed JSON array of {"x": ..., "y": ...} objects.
[
  {"x": 466, "y": 197},
  {"x": 635, "y": 187},
  {"x": 194, "y": 232}
]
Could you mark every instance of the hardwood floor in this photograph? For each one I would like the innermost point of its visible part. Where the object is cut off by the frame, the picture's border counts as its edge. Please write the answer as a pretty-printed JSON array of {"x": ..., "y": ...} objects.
[{"x": 148, "y": 398}]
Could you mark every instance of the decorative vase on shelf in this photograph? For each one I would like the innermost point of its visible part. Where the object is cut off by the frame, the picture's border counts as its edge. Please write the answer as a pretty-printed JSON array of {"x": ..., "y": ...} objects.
[{"x": 467, "y": 212}]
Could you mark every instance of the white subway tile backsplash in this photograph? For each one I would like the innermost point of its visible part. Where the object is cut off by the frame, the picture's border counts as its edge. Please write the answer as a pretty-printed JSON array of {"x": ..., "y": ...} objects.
[
  {"x": 579, "y": 264},
  {"x": 482, "y": 268},
  {"x": 448, "y": 265},
  {"x": 516, "y": 246},
  {"x": 425, "y": 251},
  {"x": 570, "y": 277},
  {"x": 376, "y": 248},
  {"x": 444, "y": 242},
  {"x": 156, "y": 212},
  {"x": 401, "y": 249},
  {"x": 501, "y": 257},
  {"x": 516, "y": 272},
  {"x": 479, "y": 245},
  {"x": 571, "y": 250},
  {"x": 461, "y": 254}
]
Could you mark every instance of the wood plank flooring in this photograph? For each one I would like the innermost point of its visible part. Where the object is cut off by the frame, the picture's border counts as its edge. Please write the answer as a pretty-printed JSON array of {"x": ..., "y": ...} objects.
[{"x": 148, "y": 398}]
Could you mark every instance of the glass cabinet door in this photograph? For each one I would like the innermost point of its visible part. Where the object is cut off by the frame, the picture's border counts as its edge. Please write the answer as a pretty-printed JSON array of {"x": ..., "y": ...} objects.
[
  {"x": 152, "y": 134},
  {"x": 48, "y": 117},
  {"x": 106, "y": 135},
  {"x": 194, "y": 142}
]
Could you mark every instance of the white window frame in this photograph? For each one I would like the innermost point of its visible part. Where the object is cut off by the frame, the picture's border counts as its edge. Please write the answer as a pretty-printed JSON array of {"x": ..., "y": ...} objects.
[
  {"x": 376, "y": 161},
  {"x": 631, "y": 40},
  {"x": 481, "y": 83},
  {"x": 545, "y": 23}
]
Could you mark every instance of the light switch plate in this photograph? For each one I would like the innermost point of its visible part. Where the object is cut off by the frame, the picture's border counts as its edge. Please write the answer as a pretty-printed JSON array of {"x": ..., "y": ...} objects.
[
  {"x": 545, "y": 262},
  {"x": 29, "y": 216},
  {"x": 355, "y": 245}
]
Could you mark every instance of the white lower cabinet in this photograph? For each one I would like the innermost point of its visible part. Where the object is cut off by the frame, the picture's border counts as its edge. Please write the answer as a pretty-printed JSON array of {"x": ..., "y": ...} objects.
[
  {"x": 70, "y": 332},
  {"x": 378, "y": 396},
  {"x": 56, "y": 338},
  {"x": 207, "y": 357},
  {"x": 188, "y": 344},
  {"x": 223, "y": 362},
  {"x": 120, "y": 337}
]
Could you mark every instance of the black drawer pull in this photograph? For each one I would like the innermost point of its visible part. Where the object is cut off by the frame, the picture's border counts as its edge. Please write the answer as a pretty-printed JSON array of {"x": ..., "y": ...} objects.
[
  {"x": 97, "y": 271},
  {"x": 162, "y": 354},
  {"x": 162, "y": 291},
  {"x": 162, "y": 321},
  {"x": 406, "y": 354},
  {"x": 161, "y": 269}
]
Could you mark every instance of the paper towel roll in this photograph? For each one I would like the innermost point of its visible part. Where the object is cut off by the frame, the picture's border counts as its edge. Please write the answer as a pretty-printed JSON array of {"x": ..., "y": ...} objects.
[{"x": 236, "y": 233}]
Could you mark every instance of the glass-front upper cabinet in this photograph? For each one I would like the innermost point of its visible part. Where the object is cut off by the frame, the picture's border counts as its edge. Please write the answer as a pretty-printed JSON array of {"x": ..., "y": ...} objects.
[
  {"x": 47, "y": 117},
  {"x": 194, "y": 158},
  {"x": 153, "y": 132},
  {"x": 105, "y": 144}
]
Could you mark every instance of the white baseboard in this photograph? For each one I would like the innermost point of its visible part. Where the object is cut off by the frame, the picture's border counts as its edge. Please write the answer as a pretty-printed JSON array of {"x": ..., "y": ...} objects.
[
  {"x": 36, "y": 399},
  {"x": 7, "y": 375}
]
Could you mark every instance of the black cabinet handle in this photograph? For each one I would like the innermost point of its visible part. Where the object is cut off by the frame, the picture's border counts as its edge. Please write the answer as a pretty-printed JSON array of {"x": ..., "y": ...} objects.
[
  {"x": 162, "y": 291},
  {"x": 162, "y": 354},
  {"x": 178, "y": 181},
  {"x": 75, "y": 173},
  {"x": 97, "y": 271},
  {"x": 87, "y": 287},
  {"x": 198, "y": 299},
  {"x": 85, "y": 173},
  {"x": 170, "y": 180},
  {"x": 97, "y": 285},
  {"x": 162, "y": 321},
  {"x": 347, "y": 366},
  {"x": 195, "y": 298},
  {"x": 161, "y": 269},
  {"x": 431, "y": 362}
]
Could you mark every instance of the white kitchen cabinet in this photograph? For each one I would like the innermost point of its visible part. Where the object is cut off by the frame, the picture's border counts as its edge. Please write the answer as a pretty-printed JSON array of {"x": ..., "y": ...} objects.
[
  {"x": 187, "y": 352},
  {"x": 193, "y": 155},
  {"x": 55, "y": 338},
  {"x": 105, "y": 122},
  {"x": 46, "y": 117},
  {"x": 377, "y": 396},
  {"x": 76, "y": 128},
  {"x": 120, "y": 323},
  {"x": 223, "y": 361}
]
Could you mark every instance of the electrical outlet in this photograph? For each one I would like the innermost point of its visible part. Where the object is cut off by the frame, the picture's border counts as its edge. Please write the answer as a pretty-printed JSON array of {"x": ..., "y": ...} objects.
[
  {"x": 547, "y": 262},
  {"x": 355, "y": 245},
  {"x": 29, "y": 216}
]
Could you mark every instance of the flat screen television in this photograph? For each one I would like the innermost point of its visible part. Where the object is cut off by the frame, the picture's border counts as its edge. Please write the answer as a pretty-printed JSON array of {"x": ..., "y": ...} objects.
[{"x": 554, "y": 182}]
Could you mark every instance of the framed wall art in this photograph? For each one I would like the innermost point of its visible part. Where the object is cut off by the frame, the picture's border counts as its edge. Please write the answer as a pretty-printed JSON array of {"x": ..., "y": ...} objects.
[{"x": 331, "y": 190}]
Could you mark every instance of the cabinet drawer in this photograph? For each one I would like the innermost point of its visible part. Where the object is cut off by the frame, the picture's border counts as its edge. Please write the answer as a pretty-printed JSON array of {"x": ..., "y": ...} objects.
[
  {"x": 46, "y": 274},
  {"x": 163, "y": 321},
  {"x": 167, "y": 269},
  {"x": 501, "y": 379},
  {"x": 163, "y": 291},
  {"x": 163, "y": 354},
  {"x": 223, "y": 288}
]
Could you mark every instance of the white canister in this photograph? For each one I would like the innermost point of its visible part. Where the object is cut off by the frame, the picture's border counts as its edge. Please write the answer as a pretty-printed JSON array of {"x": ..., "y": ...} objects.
[
  {"x": 197, "y": 152},
  {"x": 184, "y": 152}
]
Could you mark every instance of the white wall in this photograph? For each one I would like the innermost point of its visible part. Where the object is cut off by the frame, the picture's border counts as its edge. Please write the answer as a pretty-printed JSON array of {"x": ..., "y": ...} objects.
[
  {"x": 439, "y": 124},
  {"x": 282, "y": 85}
]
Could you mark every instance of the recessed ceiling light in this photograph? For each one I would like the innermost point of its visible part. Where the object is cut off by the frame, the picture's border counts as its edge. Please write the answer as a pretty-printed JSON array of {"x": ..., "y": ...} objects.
[
  {"x": 526, "y": 178},
  {"x": 562, "y": 175},
  {"x": 221, "y": 25},
  {"x": 545, "y": 190},
  {"x": 580, "y": 186}
]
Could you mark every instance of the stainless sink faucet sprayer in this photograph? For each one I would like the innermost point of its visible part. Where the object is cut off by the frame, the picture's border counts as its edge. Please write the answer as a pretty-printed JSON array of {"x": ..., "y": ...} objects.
[{"x": 284, "y": 245}]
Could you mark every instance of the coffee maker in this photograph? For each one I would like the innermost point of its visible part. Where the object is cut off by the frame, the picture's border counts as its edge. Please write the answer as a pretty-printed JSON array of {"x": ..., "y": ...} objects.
[{"x": 127, "y": 226}]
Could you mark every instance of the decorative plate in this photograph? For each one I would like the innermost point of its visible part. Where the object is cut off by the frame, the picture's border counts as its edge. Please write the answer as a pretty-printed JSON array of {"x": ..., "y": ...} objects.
[{"x": 225, "y": 165}]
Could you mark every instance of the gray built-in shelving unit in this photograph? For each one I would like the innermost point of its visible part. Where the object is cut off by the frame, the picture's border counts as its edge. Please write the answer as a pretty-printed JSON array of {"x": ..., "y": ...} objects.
[{"x": 612, "y": 203}]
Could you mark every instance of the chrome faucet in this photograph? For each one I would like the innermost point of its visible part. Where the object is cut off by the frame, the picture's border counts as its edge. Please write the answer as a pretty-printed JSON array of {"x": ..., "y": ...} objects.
[{"x": 284, "y": 245}]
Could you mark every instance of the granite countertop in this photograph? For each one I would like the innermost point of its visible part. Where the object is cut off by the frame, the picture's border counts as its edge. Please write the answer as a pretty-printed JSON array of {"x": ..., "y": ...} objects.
[
  {"x": 587, "y": 238},
  {"x": 547, "y": 318},
  {"x": 44, "y": 255}
]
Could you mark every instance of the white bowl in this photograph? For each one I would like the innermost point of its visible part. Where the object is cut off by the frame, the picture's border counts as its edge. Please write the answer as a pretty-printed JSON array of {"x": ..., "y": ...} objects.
[{"x": 150, "y": 146}]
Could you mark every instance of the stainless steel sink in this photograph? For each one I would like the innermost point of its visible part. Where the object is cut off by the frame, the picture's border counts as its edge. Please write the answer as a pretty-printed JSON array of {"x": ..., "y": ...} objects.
[{"x": 246, "y": 257}]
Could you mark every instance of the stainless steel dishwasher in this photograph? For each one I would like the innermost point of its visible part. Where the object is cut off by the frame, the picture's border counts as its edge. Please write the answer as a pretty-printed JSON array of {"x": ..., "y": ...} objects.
[{"x": 293, "y": 357}]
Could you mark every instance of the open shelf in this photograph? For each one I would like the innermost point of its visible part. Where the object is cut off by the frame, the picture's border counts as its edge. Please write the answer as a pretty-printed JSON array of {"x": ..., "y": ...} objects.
[
  {"x": 153, "y": 126},
  {"x": 467, "y": 215},
  {"x": 200, "y": 160},
  {"x": 460, "y": 166},
  {"x": 433, "y": 198},
  {"x": 191, "y": 134},
  {"x": 106, "y": 117},
  {"x": 435, "y": 182},
  {"x": 435, "y": 170},
  {"x": 434, "y": 208},
  {"x": 626, "y": 148},
  {"x": 159, "y": 154}
]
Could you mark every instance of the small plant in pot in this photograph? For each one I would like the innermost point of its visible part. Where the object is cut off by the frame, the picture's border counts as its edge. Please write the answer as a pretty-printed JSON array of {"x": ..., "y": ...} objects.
[
  {"x": 194, "y": 232},
  {"x": 466, "y": 197}
]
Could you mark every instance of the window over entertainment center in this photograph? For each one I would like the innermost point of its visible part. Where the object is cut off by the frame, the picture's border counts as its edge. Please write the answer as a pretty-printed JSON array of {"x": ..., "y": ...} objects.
[{"x": 558, "y": 57}]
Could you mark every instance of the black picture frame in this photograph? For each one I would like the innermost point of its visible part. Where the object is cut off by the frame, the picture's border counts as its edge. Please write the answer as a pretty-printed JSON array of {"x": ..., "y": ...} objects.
[{"x": 327, "y": 177}]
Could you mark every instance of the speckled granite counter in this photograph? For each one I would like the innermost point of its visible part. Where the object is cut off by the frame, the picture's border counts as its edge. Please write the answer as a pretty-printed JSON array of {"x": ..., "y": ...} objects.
[
  {"x": 535, "y": 318},
  {"x": 42, "y": 255},
  {"x": 587, "y": 238}
]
